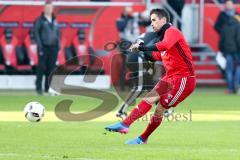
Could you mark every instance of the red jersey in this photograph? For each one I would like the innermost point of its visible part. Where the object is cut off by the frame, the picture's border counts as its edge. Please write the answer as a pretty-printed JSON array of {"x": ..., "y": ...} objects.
[{"x": 175, "y": 54}]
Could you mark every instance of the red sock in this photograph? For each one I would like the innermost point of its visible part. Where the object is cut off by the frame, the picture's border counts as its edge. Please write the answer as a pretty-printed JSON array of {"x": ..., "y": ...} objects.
[
  {"x": 154, "y": 123},
  {"x": 137, "y": 112}
]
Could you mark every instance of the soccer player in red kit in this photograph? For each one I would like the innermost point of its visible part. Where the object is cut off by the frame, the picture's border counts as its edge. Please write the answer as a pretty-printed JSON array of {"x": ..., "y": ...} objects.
[{"x": 178, "y": 83}]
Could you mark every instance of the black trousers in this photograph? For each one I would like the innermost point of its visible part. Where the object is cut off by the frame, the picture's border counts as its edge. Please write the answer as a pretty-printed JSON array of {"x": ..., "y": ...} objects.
[{"x": 46, "y": 64}]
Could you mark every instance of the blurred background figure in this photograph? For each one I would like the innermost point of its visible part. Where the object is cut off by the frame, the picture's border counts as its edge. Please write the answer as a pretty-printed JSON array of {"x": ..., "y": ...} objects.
[
  {"x": 31, "y": 49},
  {"x": 228, "y": 28},
  {"x": 83, "y": 49},
  {"x": 177, "y": 6},
  {"x": 127, "y": 25},
  {"x": 9, "y": 45},
  {"x": 129, "y": 28},
  {"x": 48, "y": 42}
]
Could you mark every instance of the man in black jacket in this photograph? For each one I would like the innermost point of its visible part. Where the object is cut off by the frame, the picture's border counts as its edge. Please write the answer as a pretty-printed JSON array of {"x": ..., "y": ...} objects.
[
  {"x": 177, "y": 6},
  {"x": 48, "y": 42},
  {"x": 227, "y": 26}
]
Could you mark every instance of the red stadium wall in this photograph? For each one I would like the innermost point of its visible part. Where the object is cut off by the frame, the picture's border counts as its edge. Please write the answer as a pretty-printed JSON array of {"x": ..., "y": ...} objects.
[
  {"x": 103, "y": 19},
  {"x": 210, "y": 36},
  {"x": 104, "y": 31}
]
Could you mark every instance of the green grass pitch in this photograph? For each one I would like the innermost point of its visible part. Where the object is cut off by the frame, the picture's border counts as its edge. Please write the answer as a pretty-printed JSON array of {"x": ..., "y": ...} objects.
[{"x": 198, "y": 139}]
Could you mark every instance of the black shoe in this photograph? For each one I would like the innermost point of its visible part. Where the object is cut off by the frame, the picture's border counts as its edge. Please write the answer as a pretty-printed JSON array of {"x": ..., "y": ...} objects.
[
  {"x": 39, "y": 92},
  {"x": 46, "y": 90}
]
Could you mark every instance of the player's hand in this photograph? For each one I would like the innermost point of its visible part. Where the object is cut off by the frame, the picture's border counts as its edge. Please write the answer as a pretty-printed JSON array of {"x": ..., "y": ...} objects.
[{"x": 134, "y": 47}]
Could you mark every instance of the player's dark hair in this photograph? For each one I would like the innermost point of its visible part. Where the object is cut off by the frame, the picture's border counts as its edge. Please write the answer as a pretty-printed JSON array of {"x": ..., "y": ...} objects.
[{"x": 160, "y": 13}]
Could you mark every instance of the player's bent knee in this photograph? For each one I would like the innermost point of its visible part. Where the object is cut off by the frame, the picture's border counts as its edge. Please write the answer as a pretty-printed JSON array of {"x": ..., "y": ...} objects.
[
  {"x": 152, "y": 97},
  {"x": 151, "y": 101}
]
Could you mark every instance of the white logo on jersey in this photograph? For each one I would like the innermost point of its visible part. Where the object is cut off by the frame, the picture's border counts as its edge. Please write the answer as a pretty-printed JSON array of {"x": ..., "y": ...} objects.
[
  {"x": 166, "y": 100},
  {"x": 163, "y": 53}
]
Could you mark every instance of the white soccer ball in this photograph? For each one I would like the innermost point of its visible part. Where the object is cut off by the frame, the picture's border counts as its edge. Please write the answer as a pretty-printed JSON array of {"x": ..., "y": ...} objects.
[{"x": 34, "y": 111}]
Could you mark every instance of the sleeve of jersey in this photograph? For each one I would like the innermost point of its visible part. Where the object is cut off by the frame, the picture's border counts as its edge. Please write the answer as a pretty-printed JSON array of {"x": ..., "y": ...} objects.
[
  {"x": 170, "y": 38},
  {"x": 156, "y": 56}
]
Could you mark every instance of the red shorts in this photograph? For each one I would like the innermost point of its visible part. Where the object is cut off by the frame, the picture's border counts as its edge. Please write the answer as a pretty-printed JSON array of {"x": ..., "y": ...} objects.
[{"x": 174, "y": 90}]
